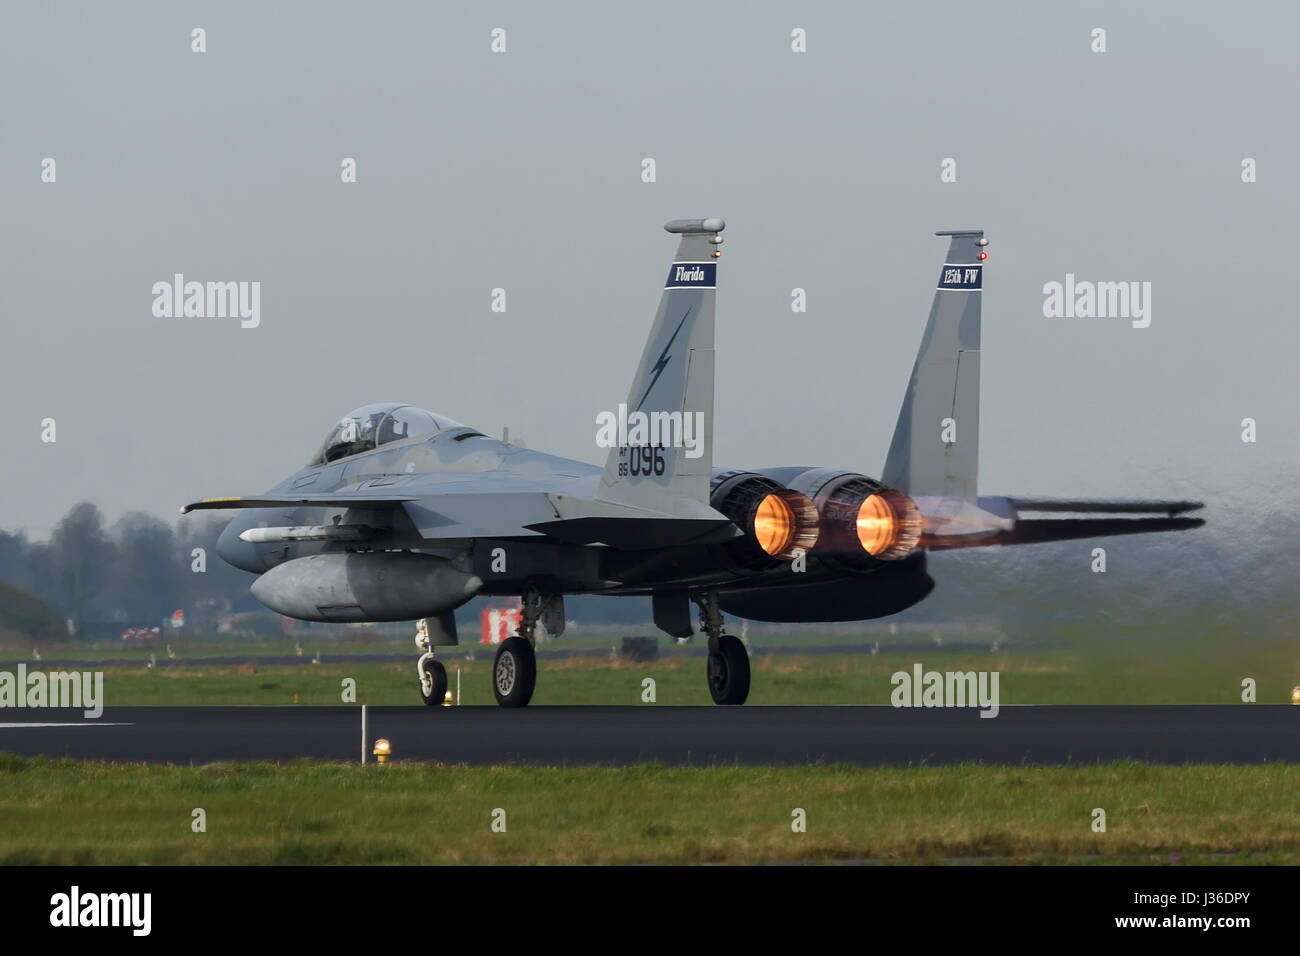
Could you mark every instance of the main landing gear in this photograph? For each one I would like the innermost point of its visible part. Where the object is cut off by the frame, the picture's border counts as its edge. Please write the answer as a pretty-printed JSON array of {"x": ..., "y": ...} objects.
[
  {"x": 514, "y": 671},
  {"x": 728, "y": 667}
]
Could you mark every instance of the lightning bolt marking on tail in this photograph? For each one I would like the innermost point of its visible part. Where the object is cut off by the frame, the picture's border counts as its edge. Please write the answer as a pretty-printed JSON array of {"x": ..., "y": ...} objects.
[{"x": 658, "y": 368}]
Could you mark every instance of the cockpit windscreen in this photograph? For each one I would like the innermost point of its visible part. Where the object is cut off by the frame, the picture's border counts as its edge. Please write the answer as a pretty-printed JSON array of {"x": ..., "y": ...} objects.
[{"x": 374, "y": 425}]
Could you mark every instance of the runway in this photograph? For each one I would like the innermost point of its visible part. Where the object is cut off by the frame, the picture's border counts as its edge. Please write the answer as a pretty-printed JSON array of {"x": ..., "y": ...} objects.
[{"x": 701, "y": 736}]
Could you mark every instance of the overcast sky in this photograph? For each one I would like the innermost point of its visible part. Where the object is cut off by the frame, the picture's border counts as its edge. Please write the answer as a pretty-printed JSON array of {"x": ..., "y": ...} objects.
[{"x": 522, "y": 170}]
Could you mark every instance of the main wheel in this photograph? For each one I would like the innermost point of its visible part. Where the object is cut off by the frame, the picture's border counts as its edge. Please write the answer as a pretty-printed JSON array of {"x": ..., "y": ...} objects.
[
  {"x": 514, "y": 672},
  {"x": 438, "y": 694},
  {"x": 728, "y": 670}
]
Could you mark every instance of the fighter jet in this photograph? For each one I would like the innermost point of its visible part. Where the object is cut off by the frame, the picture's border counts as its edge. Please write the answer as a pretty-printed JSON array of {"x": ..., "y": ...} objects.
[{"x": 404, "y": 514}]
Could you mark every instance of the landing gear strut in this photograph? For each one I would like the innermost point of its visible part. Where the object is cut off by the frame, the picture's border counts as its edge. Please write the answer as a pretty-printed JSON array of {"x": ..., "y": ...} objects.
[
  {"x": 433, "y": 676},
  {"x": 728, "y": 667},
  {"x": 514, "y": 671}
]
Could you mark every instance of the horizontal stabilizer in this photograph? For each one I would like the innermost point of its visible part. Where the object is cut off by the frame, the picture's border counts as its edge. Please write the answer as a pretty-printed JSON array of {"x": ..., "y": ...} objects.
[
  {"x": 1105, "y": 506},
  {"x": 1037, "y": 531}
]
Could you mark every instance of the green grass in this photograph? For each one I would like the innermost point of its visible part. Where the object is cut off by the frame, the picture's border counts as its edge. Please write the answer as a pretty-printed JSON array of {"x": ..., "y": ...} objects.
[
  {"x": 68, "y": 812},
  {"x": 364, "y": 641},
  {"x": 1101, "y": 674}
]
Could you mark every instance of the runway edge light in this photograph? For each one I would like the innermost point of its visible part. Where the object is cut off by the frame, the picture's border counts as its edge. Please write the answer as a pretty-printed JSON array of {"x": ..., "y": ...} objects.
[{"x": 382, "y": 750}]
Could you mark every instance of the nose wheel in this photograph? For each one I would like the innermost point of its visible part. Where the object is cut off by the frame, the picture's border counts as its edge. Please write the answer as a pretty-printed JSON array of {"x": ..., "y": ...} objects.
[
  {"x": 433, "y": 676},
  {"x": 433, "y": 683}
]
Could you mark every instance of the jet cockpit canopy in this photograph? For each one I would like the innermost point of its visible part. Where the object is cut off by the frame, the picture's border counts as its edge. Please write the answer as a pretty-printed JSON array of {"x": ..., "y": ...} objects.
[{"x": 370, "y": 426}]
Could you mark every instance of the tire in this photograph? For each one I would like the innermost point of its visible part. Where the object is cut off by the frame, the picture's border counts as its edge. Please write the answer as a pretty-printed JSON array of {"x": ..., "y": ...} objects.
[
  {"x": 514, "y": 673},
  {"x": 728, "y": 670},
  {"x": 436, "y": 696}
]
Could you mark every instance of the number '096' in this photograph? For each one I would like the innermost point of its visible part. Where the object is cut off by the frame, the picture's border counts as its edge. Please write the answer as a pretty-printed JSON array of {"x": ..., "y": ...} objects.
[{"x": 643, "y": 460}]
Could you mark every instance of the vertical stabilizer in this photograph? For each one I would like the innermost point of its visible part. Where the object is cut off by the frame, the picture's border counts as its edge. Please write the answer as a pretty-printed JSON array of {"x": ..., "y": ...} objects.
[
  {"x": 662, "y": 455},
  {"x": 935, "y": 450}
]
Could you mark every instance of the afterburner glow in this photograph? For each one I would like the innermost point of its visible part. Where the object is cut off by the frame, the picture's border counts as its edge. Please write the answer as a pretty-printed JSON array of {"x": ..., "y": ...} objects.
[
  {"x": 773, "y": 525},
  {"x": 877, "y": 525}
]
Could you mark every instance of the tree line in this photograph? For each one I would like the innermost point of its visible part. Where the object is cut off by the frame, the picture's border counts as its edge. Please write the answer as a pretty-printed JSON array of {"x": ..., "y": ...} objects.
[{"x": 133, "y": 573}]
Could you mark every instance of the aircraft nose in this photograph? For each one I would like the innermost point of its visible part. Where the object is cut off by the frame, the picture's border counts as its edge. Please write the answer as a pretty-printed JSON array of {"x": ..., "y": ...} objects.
[{"x": 241, "y": 554}]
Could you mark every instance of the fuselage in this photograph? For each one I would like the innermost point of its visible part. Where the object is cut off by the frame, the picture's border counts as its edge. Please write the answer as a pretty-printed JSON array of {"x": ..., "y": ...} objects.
[{"x": 467, "y": 458}]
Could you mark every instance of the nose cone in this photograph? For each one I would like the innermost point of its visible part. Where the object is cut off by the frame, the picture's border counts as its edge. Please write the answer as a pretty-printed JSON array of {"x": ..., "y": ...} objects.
[{"x": 242, "y": 554}]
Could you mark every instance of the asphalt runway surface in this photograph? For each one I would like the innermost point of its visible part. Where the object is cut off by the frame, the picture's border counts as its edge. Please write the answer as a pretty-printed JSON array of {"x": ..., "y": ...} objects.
[{"x": 700, "y": 736}]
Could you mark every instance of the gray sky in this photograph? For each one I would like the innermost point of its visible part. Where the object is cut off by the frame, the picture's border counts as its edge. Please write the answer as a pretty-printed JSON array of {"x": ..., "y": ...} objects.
[{"x": 522, "y": 170}]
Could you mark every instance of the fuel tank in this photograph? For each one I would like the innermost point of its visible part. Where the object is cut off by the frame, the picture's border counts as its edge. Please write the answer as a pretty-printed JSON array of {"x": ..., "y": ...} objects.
[{"x": 364, "y": 586}]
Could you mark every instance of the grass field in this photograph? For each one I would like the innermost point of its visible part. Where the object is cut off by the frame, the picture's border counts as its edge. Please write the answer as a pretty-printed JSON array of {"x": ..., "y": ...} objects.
[
  {"x": 66, "y": 812},
  {"x": 578, "y": 638},
  {"x": 581, "y": 639},
  {"x": 1102, "y": 674}
]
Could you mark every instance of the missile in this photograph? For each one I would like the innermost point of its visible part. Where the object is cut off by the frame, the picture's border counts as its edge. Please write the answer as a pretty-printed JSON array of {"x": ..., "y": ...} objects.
[{"x": 319, "y": 532}]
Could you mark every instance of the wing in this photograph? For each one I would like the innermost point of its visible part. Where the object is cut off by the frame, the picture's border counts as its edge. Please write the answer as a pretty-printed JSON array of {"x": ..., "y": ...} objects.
[
  {"x": 304, "y": 501},
  {"x": 447, "y": 507}
]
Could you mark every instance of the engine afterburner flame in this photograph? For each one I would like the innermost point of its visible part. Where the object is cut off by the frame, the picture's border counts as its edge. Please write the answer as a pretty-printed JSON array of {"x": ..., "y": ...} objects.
[
  {"x": 888, "y": 525},
  {"x": 777, "y": 523},
  {"x": 774, "y": 525}
]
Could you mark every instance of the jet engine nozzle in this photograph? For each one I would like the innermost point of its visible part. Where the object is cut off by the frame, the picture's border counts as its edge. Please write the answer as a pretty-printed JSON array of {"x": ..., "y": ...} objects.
[
  {"x": 784, "y": 522},
  {"x": 778, "y": 522},
  {"x": 863, "y": 523},
  {"x": 888, "y": 525}
]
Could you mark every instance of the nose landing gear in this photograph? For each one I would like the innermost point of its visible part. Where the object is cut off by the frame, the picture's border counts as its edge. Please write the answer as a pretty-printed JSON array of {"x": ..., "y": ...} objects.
[{"x": 433, "y": 676}]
